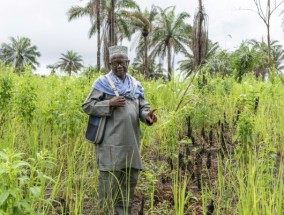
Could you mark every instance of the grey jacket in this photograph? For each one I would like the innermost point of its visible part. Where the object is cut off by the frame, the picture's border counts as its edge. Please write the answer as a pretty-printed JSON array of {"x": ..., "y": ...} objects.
[{"x": 120, "y": 146}]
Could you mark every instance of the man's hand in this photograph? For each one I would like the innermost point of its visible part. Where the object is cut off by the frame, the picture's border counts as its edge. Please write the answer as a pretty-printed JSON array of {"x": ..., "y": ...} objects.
[
  {"x": 151, "y": 117},
  {"x": 117, "y": 101}
]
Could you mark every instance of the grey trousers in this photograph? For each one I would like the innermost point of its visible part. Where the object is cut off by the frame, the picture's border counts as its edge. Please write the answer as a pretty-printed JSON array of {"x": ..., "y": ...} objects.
[{"x": 116, "y": 191}]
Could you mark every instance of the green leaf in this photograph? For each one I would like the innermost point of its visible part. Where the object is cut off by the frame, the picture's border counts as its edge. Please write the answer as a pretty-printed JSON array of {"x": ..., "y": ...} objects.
[
  {"x": 14, "y": 191},
  {"x": 21, "y": 164},
  {"x": 4, "y": 196},
  {"x": 48, "y": 178},
  {"x": 23, "y": 179},
  {"x": 36, "y": 191},
  {"x": 3, "y": 171},
  {"x": 25, "y": 204},
  {"x": 3, "y": 212},
  {"x": 3, "y": 156}
]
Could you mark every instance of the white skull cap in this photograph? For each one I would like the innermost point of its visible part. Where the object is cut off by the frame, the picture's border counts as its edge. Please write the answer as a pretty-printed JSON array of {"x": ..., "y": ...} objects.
[{"x": 117, "y": 50}]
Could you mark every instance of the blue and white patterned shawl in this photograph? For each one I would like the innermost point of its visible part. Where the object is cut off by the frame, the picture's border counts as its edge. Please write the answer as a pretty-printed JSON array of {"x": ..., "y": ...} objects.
[{"x": 130, "y": 88}]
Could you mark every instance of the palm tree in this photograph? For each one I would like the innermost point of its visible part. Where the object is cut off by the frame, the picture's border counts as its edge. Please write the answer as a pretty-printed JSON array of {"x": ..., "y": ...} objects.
[
  {"x": 143, "y": 22},
  {"x": 52, "y": 67},
  {"x": 70, "y": 62},
  {"x": 219, "y": 63},
  {"x": 199, "y": 43},
  {"x": 106, "y": 18},
  {"x": 200, "y": 35},
  {"x": 170, "y": 34},
  {"x": 93, "y": 9},
  {"x": 139, "y": 64},
  {"x": 116, "y": 24},
  {"x": 262, "y": 59},
  {"x": 19, "y": 53},
  {"x": 188, "y": 64},
  {"x": 277, "y": 55}
]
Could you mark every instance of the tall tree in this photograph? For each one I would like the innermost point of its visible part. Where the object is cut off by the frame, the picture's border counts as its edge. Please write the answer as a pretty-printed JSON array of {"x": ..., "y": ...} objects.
[
  {"x": 70, "y": 62},
  {"x": 112, "y": 24},
  {"x": 92, "y": 9},
  {"x": 98, "y": 15},
  {"x": 139, "y": 64},
  {"x": 52, "y": 67},
  {"x": 277, "y": 55},
  {"x": 171, "y": 34},
  {"x": 107, "y": 21},
  {"x": 199, "y": 43},
  {"x": 19, "y": 52},
  {"x": 265, "y": 11},
  {"x": 200, "y": 35},
  {"x": 143, "y": 22},
  {"x": 262, "y": 60},
  {"x": 188, "y": 64},
  {"x": 116, "y": 24}
]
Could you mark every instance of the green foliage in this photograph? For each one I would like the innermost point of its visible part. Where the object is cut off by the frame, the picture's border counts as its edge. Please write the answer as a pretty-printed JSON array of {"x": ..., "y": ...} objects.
[
  {"x": 243, "y": 61},
  {"x": 219, "y": 63},
  {"x": 181, "y": 197},
  {"x": 6, "y": 88},
  {"x": 45, "y": 114},
  {"x": 281, "y": 77},
  {"x": 246, "y": 136},
  {"x": 22, "y": 182},
  {"x": 25, "y": 97}
]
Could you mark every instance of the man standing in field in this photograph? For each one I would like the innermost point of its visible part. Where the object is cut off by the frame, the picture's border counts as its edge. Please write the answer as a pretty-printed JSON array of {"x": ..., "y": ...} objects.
[{"x": 118, "y": 157}]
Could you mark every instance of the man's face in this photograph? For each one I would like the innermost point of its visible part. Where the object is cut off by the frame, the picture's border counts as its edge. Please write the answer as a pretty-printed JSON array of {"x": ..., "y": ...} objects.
[{"x": 119, "y": 64}]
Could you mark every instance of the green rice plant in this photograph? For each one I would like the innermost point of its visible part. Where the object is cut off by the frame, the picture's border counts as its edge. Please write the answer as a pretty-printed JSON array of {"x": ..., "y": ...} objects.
[
  {"x": 252, "y": 187},
  {"x": 180, "y": 193},
  {"x": 256, "y": 185},
  {"x": 206, "y": 196}
]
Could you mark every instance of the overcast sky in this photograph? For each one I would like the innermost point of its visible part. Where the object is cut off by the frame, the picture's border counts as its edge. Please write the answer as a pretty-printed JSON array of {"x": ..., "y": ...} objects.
[{"x": 45, "y": 23}]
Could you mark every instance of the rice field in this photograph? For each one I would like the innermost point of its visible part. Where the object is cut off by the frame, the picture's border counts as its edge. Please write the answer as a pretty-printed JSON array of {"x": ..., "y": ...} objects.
[{"x": 220, "y": 153}]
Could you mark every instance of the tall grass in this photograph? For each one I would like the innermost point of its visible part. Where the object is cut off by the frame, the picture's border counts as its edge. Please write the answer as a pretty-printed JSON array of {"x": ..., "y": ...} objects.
[{"x": 44, "y": 114}]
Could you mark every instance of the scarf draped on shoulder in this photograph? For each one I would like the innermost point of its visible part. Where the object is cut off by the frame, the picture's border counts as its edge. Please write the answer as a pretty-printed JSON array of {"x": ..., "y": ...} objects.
[{"x": 130, "y": 88}]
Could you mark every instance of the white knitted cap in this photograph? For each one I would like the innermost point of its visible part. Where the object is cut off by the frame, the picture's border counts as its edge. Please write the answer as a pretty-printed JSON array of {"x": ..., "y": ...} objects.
[{"x": 117, "y": 50}]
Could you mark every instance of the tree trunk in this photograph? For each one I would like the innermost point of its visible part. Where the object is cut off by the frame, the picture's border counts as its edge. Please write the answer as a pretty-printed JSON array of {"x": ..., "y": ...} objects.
[
  {"x": 106, "y": 53},
  {"x": 107, "y": 42},
  {"x": 199, "y": 34},
  {"x": 98, "y": 35},
  {"x": 268, "y": 33},
  {"x": 200, "y": 57},
  {"x": 112, "y": 26},
  {"x": 109, "y": 28},
  {"x": 269, "y": 45},
  {"x": 169, "y": 63},
  {"x": 146, "y": 70}
]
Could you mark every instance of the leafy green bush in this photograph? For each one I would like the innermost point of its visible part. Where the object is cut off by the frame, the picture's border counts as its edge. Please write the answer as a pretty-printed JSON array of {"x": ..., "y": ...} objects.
[{"x": 22, "y": 182}]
